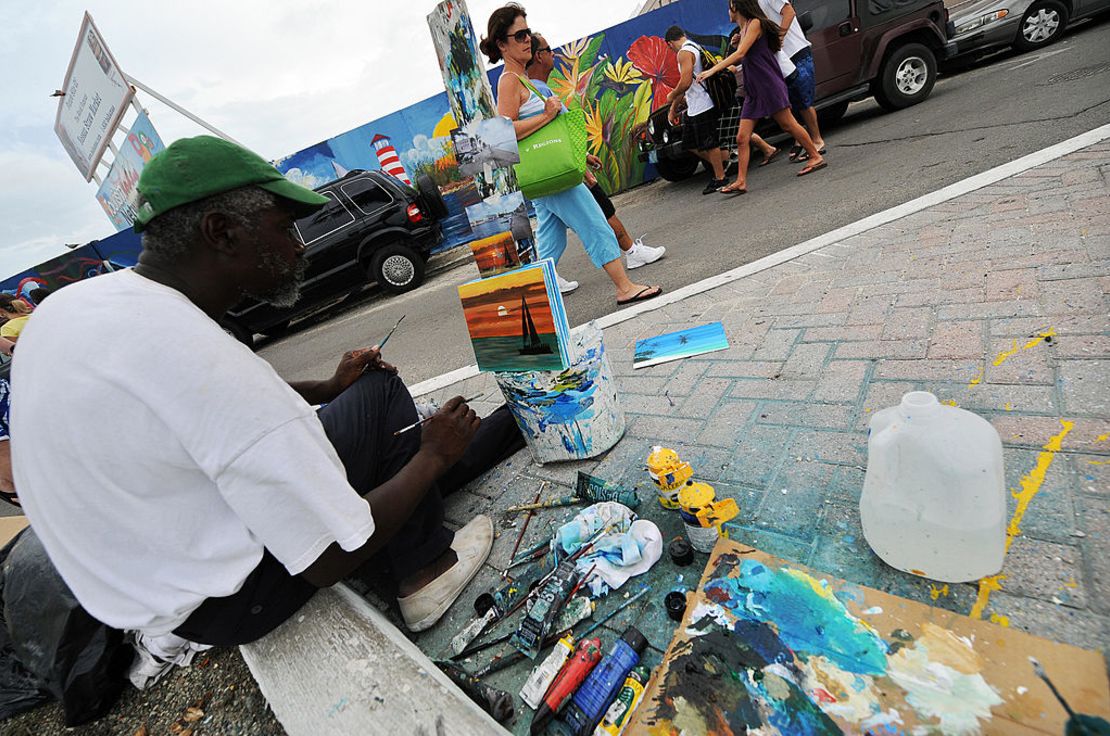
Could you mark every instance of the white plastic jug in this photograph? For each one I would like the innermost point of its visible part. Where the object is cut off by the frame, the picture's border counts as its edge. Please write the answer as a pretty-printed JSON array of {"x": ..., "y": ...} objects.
[{"x": 934, "y": 500}]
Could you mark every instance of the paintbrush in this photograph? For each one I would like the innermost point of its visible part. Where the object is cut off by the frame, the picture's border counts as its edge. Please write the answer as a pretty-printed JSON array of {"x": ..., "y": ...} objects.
[
  {"x": 416, "y": 424},
  {"x": 523, "y": 529},
  {"x": 389, "y": 334},
  {"x": 1044, "y": 676},
  {"x": 500, "y": 663}
]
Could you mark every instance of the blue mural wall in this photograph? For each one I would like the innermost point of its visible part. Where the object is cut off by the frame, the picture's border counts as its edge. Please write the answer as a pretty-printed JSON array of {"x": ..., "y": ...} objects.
[
  {"x": 618, "y": 76},
  {"x": 120, "y": 251}
]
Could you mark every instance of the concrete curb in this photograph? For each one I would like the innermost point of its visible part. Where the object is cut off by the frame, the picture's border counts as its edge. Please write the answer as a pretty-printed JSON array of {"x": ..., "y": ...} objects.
[{"x": 945, "y": 194}]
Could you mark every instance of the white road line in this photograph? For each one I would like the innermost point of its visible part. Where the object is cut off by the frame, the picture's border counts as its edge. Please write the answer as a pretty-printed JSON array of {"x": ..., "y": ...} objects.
[
  {"x": 944, "y": 194},
  {"x": 1037, "y": 58}
]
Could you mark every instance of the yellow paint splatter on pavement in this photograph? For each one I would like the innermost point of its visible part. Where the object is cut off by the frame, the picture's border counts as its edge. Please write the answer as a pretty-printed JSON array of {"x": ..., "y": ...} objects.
[
  {"x": 1031, "y": 484},
  {"x": 1071, "y": 583},
  {"x": 977, "y": 380},
  {"x": 950, "y": 402},
  {"x": 1008, "y": 406},
  {"x": 997, "y": 618},
  {"x": 1098, "y": 462},
  {"x": 1041, "y": 337},
  {"x": 1102, "y": 438},
  {"x": 935, "y": 592}
]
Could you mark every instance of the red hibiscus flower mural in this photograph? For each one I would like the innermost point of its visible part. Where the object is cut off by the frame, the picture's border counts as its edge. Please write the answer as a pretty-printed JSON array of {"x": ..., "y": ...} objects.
[{"x": 652, "y": 56}]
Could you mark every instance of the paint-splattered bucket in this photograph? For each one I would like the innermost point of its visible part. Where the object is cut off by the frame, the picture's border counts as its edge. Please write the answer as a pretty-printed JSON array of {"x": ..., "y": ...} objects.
[{"x": 571, "y": 414}]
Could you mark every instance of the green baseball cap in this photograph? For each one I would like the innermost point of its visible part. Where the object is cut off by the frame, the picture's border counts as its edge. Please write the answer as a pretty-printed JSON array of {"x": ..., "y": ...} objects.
[{"x": 195, "y": 168}]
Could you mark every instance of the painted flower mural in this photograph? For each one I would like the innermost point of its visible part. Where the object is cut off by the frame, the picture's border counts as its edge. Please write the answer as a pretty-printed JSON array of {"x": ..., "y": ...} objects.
[
  {"x": 617, "y": 96},
  {"x": 654, "y": 58}
]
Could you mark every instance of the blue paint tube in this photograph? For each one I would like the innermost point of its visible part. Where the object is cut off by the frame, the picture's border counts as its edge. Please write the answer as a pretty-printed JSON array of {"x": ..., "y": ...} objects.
[{"x": 597, "y": 692}]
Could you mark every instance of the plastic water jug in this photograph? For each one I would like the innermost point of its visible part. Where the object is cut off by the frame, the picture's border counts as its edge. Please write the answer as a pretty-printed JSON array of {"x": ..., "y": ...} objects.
[{"x": 934, "y": 500}]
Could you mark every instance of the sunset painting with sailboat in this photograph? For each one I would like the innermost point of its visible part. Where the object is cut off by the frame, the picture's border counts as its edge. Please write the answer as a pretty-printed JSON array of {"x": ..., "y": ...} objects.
[{"x": 511, "y": 323}]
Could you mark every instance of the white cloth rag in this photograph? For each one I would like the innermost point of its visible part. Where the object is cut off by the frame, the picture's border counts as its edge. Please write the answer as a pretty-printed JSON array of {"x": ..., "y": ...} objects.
[{"x": 631, "y": 547}]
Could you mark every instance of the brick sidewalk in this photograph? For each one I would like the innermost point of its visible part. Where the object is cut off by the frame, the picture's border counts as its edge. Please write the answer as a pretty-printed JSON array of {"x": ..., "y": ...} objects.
[{"x": 996, "y": 300}]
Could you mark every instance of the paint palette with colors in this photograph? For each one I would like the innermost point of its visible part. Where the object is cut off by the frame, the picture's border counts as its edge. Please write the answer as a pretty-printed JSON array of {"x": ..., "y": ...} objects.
[{"x": 774, "y": 648}]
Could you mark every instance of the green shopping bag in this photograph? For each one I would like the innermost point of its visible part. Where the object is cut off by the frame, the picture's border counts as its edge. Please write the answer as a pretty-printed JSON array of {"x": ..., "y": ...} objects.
[{"x": 553, "y": 159}]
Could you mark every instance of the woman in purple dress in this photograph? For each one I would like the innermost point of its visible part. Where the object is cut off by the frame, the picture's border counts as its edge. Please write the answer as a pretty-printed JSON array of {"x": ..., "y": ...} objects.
[{"x": 764, "y": 88}]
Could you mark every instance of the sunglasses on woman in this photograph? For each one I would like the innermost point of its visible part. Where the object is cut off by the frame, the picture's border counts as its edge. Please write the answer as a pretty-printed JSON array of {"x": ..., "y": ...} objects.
[{"x": 520, "y": 36}]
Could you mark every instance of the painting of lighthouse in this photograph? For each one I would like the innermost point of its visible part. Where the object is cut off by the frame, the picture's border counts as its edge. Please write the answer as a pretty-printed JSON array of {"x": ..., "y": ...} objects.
[{"x": 389, "y": 160}]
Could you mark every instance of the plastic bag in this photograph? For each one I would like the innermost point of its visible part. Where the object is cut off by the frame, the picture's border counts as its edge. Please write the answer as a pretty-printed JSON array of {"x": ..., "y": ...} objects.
[
  {"x": 75, "y": 658},
  {"x": 19, "y": 689}
]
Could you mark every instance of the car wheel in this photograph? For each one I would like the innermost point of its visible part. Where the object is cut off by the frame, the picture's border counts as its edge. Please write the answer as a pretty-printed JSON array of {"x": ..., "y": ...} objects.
[
  {"x": 677, "y": 169},
  {"x": 831, "y": 115},
  {"x": 397, "y": 268},
  {"x": 907, "y": 76},
  {"x": 1041, "y": 24},
  {"x": 437, "y": 208},
  {"x": 238, "y": 331}
]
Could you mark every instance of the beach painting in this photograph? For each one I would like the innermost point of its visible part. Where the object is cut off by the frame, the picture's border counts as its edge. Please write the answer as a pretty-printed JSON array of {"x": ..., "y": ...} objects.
[
  {"x": 495, "y": 254},
  {"x": 512, "y": 322},
  {"x": 771, "y": 647},
  {"x": 681, "y": 344}
]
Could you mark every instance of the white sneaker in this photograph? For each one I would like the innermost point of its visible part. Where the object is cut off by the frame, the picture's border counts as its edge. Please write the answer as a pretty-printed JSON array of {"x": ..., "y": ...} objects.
[
  {"x": 472, "y": 546},
  {"x": 641, "y": 255},
  {"x": 566, "y": 287}
]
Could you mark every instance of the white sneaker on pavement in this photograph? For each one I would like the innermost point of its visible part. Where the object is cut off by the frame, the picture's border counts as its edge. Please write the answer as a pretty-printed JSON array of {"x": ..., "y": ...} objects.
[
  {"x": 472, "y": 546},
  {"x": 641, "y": 255},
  {"x": 566, "y": 287}
]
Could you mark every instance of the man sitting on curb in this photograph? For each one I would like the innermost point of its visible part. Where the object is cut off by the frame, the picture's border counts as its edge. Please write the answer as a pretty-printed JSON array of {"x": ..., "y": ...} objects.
[{"x": 176, "y": 482}]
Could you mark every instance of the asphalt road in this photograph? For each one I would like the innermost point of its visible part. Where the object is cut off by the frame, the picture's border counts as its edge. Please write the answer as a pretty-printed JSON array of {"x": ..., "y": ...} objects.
[{"x": 977, "y": 118}]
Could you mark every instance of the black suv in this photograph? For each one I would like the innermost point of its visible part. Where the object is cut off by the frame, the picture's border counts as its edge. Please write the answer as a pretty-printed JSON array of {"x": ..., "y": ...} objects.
[
  {"x": 375, "y": 229},
  {"x": 861, "y": 48}
]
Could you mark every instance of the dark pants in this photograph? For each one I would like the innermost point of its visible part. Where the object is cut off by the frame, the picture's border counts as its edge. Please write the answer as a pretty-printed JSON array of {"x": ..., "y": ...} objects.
[{"x": 360, "y": 424}]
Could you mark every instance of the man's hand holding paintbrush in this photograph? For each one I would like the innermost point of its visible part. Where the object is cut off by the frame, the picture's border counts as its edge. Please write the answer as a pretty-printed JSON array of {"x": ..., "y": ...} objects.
[{"x": 445, "y": 435}]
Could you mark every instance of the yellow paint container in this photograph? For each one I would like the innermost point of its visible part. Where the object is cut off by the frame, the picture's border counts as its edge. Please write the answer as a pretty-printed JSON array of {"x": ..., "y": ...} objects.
[
  {"x": 693, "y": 498},
  {"x": 668, "y": 473}
]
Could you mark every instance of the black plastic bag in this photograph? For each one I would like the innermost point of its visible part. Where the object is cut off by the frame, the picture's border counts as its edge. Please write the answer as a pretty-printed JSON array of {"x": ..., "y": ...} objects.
[
  {"x": 75, "y": 658},
  {"x": 19, "y": 689}
]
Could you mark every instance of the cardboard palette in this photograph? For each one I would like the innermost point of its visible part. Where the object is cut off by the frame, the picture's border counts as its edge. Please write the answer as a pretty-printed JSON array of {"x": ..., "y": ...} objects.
[{"x": 773, "y": 647}]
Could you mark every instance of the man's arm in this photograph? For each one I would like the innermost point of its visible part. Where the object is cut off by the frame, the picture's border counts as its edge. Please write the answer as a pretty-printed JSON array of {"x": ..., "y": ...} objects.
[
  {"x": 352, "y": 365},
  {"x": 788, "y": 16},
  {"x": 444, "y": 439},
  {"x": 686, "y": 78},
  {"x": 686, "y": 75}
]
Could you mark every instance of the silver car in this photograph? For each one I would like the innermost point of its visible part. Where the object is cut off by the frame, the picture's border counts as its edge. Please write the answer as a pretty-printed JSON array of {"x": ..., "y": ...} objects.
[{"x": 1024, "y": 24}]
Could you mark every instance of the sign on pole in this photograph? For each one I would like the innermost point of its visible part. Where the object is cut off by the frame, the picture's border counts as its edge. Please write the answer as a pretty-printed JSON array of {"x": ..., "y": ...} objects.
[
  {"x": 96, "y": 95},
  {"x": 118, "y": 194}
]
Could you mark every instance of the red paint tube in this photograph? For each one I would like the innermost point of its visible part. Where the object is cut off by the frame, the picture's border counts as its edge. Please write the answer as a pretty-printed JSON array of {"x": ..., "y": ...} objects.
[{"x": 586, "y": 656}]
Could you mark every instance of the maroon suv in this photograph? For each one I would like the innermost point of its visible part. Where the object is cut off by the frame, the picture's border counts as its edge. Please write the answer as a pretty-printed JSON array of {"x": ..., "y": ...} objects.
[{"x": 887, "y": 49}]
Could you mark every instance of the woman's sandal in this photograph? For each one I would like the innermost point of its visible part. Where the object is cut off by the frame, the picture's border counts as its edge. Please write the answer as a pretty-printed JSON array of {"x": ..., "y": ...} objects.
[
  {"x": 733, "y": 189},
  {"x": 795, "y": 152},
  {"x": 769, "y": 158}
]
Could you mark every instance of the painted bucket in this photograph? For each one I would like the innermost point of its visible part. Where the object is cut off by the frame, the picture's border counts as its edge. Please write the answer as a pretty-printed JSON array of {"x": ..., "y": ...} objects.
[
  {"x": 692, "y": 498},
  {"x": 572, "y": 414}
]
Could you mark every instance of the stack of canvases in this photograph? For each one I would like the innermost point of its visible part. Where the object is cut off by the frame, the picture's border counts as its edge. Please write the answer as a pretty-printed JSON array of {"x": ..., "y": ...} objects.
[{"x": 559, "y": 386}]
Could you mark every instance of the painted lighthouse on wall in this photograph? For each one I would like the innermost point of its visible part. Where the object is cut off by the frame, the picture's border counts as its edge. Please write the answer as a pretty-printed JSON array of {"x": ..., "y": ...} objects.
[{"x": 389, "y": 160}]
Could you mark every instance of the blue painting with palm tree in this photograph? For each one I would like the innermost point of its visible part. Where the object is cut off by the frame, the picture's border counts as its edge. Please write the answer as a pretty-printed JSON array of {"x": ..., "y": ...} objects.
[{"x": 680, "y": 344}]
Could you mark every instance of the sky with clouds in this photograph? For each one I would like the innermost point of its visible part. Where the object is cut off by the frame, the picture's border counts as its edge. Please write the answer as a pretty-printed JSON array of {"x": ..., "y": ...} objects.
[{"x": 276, "y": 75}]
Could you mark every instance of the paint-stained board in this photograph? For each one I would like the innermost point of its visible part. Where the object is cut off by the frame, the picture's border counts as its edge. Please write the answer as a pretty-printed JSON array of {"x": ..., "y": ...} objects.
[{"x": 779, "y": 648}]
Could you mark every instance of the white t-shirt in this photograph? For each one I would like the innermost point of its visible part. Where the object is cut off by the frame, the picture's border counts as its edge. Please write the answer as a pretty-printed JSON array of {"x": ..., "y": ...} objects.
[
  {"x": 157, "y": 456},
  {"x": 795, "y": 40},
  {"x": 697, "y": 99}
]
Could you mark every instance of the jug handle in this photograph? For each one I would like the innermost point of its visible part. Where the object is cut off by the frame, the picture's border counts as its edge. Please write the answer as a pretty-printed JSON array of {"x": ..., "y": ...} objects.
[{"x": 883, "y": 463}]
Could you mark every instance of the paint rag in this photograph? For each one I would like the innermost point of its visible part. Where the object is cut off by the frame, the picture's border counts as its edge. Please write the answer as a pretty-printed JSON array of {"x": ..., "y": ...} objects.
[{"x": 630, "y": 547}]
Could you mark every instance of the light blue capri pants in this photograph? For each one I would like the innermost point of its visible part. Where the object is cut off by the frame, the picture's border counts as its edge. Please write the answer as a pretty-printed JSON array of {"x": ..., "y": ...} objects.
[{"x": 575, "y": 208}]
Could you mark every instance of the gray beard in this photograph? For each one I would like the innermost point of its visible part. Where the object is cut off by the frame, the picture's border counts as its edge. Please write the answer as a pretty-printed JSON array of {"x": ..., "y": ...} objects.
[{"x": 284, "y": 295}]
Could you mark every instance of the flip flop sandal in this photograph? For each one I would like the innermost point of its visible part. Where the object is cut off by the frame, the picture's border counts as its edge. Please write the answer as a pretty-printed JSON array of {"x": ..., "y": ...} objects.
[
  {"x": 795, "y": 152},
  {"x": 733, "y": 192},
  {"x": 811, "y": 169},
  {"x": 642, "y": 295},
  {"x": 11, "y": 498},
  {"x": 768, "y": 159},
  {"x": 805, "y": 154}
]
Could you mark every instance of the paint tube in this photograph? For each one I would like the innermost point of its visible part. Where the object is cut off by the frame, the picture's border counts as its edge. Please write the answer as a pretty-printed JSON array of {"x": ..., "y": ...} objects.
[
  {"x": 629, "y": 696},
  {"x": 594, "y": 490},
  {"x": 541, "y": 678},
  {"x": 543, "y": 608},
  {"x": 597, "y": 692}
]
